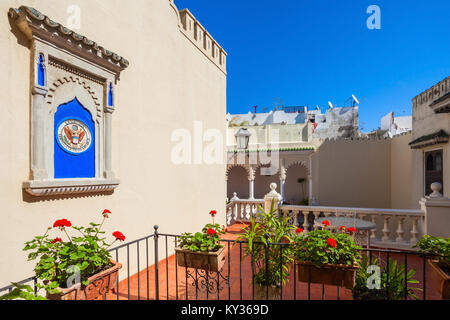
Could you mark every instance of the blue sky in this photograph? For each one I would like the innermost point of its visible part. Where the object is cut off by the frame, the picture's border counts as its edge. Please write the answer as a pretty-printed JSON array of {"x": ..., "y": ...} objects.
[{"x": 309, "y": 52}]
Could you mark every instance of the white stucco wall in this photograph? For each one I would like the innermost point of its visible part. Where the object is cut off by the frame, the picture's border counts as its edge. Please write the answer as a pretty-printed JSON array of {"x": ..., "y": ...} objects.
[{"x": 168, "y": 78}]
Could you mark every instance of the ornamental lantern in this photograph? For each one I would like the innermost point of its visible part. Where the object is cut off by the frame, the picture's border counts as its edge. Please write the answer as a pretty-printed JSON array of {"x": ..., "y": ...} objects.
[{"x": 242, "y": 138}]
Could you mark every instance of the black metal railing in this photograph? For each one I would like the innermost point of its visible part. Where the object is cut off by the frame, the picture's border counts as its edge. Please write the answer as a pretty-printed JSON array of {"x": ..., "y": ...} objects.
[{"x": 151, "y": 272}]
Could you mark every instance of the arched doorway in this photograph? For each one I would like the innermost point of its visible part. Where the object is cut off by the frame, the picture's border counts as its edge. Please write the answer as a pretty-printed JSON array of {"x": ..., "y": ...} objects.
[
  {"x": 237, "y": 182},
  {"x": 296, "y": 186}
]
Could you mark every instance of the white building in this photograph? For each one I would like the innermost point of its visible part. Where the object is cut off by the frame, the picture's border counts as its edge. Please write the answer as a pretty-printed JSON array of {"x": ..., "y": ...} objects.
[{"x": 395, "y": 125}]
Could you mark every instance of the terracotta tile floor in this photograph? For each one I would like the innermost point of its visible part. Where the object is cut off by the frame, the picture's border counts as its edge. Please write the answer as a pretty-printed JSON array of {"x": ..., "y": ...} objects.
[{"x": 172, "y": 281}]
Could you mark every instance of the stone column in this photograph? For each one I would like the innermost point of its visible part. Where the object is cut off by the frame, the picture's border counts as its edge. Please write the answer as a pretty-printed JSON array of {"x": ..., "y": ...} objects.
[
  {"x": 38, "y": 133},
  {"x": 283, "y": 172},
  {"x": 310, "y": 181},
  {"x": 274, "y": 196},
  {"x": 108, "y": 173},
  {"x": 436, "y": 208},
  {"x": 251, "y": 183}
]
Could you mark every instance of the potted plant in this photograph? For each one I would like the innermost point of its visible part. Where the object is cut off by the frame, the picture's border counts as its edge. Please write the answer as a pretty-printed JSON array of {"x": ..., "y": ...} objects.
[
  {"x": 202, "y": 250},
  {"x": 323, "y": 257},
  {"x": 79, "y": 268},
  {"x": 390, "y": 284},
  {"x": 439, "y": 251},
  {"x": 269, "y": 240}
]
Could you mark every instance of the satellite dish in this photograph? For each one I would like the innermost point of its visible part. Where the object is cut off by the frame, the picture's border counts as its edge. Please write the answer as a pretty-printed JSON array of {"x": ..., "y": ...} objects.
[
  {"x": 330, "y": 104},
  {"x": 354, "y": 99}
]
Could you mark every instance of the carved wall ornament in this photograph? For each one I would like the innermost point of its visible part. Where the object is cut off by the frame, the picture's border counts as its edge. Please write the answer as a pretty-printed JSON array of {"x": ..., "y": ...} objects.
[{"x": 72, "y": 101}]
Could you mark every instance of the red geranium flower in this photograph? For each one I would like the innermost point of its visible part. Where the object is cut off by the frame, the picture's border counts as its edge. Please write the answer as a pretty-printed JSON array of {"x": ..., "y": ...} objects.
[
  {"x": 211, "y": 232},
  {"x": 326, "y": 223},
  {"x": 56, "y": 240},
  {"x": 106, "y": 213},
  {"x": 299, "y": 230},
  {"x": 351, "y": 230},
  {"x": 331, "y": 242},
  {"x": 342, "y": 228},
  {"x": 213, "y": 212},
  {"x": 119, "y": 235},
  {"x": 62, "y": 223}
]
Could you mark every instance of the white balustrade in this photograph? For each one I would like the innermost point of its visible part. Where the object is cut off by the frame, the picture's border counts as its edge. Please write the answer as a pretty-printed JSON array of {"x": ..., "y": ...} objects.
[
  {"x": 242, "y": 209},
  {"x": 408, "y": 224}
]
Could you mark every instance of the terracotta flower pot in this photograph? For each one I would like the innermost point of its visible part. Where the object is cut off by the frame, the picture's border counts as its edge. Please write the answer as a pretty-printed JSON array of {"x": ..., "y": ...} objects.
[
  {"x": 99, "y": 284},
  {"x": 335, "y": 275},
  {"x": 209, "y": 261},
  {"x": 440, "y": 278}
]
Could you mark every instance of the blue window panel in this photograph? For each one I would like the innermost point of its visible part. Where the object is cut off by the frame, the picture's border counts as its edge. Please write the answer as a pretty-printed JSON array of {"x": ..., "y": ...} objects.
[
  {"x": 110, "y": 95},
  {"x": 67, "y": 164},
  {"x": 41, "y": 71}
]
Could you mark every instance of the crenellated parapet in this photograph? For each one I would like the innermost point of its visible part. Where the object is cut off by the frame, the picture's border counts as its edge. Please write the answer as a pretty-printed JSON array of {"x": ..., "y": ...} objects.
[
  {"x": 437, "y": 97},
  {"x": 201, "y": 38}
]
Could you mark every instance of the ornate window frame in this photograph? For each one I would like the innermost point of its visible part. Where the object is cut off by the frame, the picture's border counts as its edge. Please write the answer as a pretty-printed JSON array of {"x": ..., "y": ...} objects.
[{"x": 65, "y": 66}]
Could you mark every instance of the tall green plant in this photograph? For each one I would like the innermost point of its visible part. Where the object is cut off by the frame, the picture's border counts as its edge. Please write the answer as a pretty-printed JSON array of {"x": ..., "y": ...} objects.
[
  {"x": 391, "y": 285},
  {"x": 261, "y": 235}
]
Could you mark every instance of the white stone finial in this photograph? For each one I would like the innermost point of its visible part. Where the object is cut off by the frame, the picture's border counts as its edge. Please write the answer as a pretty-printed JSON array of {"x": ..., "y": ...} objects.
[
  {"x": 273, "y": 187},
  {"x": 436, "y": 187}
]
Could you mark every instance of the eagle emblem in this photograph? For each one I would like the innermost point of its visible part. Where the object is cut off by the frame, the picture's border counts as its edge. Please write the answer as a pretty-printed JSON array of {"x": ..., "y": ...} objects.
[{"x": 74, "y": 136}]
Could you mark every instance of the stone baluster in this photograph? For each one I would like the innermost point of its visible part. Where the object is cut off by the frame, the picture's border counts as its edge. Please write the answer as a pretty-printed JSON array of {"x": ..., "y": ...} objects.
[
  {"x": 400, "y": 230},
  {"x": 234, "y": 206},
  {"x": 414, "y": 230},
  {"x": 296, "y": 223},
  {"x": 327, "y": 214},
  {"x": 316, "y": 215},
  {"x": 373, "y": 232},
  {"x": 305, "y": 221},
  {"x": 386, "y": 231},
  {"x": 248, "y": 210}
]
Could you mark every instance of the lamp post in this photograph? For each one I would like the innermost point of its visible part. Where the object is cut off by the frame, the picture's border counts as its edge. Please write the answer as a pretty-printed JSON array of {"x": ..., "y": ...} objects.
[{"x": 242, "y": 138}]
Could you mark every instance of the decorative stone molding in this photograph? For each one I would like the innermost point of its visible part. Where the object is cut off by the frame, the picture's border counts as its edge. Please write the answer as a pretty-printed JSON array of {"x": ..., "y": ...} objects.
[
  {"x": 251, "y": 174},
  {"x": 72, "y": 100},
  {"x": 304, "y": 163},
  {"x": 232, "y": 166},
  {"x": 35, "y": 24},
  {"x": 283, "y": 172},
  {"x": 439, "y": 137},
  {"x": 69, "y": 187}
]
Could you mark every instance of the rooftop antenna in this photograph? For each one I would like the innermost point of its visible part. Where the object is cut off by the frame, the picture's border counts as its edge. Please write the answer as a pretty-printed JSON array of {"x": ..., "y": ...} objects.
[
  {"x": 330, "y": 104},
  {"x": 355, "y": 100}
]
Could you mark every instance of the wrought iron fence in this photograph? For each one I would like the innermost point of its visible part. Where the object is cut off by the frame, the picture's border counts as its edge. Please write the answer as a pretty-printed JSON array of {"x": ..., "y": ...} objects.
[{"x": 157, "y": 276}]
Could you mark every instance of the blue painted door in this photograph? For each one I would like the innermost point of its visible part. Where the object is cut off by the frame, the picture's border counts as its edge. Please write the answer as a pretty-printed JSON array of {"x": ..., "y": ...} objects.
[{"x": 74, "y": 151}]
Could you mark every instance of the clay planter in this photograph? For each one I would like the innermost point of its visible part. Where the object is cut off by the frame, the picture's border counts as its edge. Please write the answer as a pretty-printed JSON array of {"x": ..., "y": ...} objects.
[
  {"x": 440, "y": 278},
  {"x": 334, "y": 275},
  {"x": 99, "y": 284},
  {"x": 261, "y": 293},
  {"x": 209, "y": 261}
]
